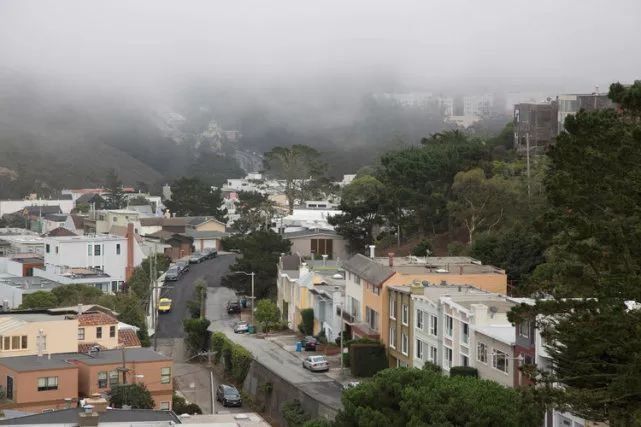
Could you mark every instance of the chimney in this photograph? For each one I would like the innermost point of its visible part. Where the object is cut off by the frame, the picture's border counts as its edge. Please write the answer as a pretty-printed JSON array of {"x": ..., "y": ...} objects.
[
  {"x": 98, "y": 403},
  {"x": 390, "y": 257},
  {"x": 372, "y": 254},
  {"x": 88, "y": 418},
  {"x": 129, "y": 269}
]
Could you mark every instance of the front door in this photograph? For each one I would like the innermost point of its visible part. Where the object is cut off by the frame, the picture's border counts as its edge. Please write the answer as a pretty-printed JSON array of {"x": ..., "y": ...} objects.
[{"x": 9, "y": 388}]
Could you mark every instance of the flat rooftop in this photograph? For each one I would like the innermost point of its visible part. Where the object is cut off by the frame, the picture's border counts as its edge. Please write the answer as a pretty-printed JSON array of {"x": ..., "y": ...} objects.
[
  {"x": 438, "y": 265},
  {"x": 114, "y": 356},
  {"x": 86, "y": 238},
  {"x": 34, "y": 363},
  {"x": 502, "y": 305},
  {"x": 31, "y": 316}
]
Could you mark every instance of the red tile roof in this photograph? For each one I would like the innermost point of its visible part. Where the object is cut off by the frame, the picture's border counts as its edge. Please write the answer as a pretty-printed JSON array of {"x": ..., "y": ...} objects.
[
  {"x": 96, "y": 319},
  {"x": 128, "y": 338},
  {"x": 60, "y": 231}
]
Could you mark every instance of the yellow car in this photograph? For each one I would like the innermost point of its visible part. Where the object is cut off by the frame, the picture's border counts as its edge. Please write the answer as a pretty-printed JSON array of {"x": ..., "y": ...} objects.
[{"x": 164, "y": 305}]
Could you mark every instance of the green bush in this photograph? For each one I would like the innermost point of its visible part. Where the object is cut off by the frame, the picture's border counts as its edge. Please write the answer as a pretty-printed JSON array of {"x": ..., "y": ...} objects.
[
  {"x": 346, "y": 360},
  {"x": 294, "y": 414},
  {"x": 421, "y": 248},
  {"x": 433, "y": 367},
  {"x": 307, "y": 324},
  {"x": 367, "y": 359},
  {"x": 180, "y": 406},
  {"x": 217, "y": 342},
  {"x": 463, "y": 371},
  {"x": 241, "y": 359},
  {"x": 236, "y": 359}
]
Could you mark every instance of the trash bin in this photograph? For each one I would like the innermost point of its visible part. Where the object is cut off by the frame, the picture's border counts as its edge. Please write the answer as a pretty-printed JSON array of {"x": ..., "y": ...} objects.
[
  {"x": 251, "y": 329},
  {"x": 299, "y": 346}
]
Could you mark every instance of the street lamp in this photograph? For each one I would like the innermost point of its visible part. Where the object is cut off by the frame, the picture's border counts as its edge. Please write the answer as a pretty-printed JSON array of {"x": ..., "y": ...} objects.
[{"x": 252, "y": 274}]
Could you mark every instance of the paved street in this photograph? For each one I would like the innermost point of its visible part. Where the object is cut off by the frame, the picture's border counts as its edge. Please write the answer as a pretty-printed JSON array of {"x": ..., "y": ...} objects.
[
  {"x": 170, "y": 324},
  {"x": 270, "y": 354}
]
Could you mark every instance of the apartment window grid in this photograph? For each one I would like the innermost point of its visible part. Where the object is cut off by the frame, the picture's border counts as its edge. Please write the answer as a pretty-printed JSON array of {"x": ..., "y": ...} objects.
[
  {"x": 165, "y": 375},
  {"x": 47, "y": 383},
  {"x": 449, "y": 325},
  {"x": 405, "y": 343},
  {"x": 357, "y": 280},
  {"x": 96, "y": 250},
  {"x": 117, "y": 248},
  {"x": 481, "y": 352},
  {"x": 405, "y": 314},
  {"x": 500, "y": 361},
  {"x": 392, "y": 336},
  {"x": 392, "y": 307},
  {"x": 433, "y": 325},
  {"x": 164, "y": 406},
  {"x": 15, "y": 342}
]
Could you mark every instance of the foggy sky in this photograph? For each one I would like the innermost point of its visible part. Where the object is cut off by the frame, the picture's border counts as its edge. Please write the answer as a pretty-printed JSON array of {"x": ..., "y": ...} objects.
[{"x": 156, "y": 46}]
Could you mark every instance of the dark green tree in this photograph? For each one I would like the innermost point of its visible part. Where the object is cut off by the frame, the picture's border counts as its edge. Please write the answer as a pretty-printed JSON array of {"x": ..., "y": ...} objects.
[
  {"x": 135, "y": 395},
  {"x": 267, "y": 314},
  {"x": 593, "y": 269},
  {"x": 115, "y": 197},
  {"x": 295, "y": 165},
  {"x": 192, "y": 197},
  {"x": 196, "y": 335},
  {"x": 259, "y": 254},
  {"x": 255, "y": 210},
  {"x": 402, "y": 397},
  {"x": 39, "y": 299}
]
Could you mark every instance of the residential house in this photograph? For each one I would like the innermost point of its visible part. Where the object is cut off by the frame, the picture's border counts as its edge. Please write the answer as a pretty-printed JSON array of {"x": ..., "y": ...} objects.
[
  {"x": 20, "y": 241},
  {"x": 288, "y": 273},
  {"x": 401, "y": 325},
  {"x": 104, "y": 261},
  {"x": 63, "y": 205},
  {"x": 102, "y": 221},
  {"x": 570, "y": 104},
  {"x": 38, "y": 383},
  {"x": 97, "y": 329},
  {"x": 315, "y": 243},
  {"x": 98, "y": 415},
  {"x": 91, "y": 200},
  {"x": 100, "y": 370},
  {"x": 535, "y": 125},
  {"x": 174, "y": 245},
  {"x": 49, "y": 222}
]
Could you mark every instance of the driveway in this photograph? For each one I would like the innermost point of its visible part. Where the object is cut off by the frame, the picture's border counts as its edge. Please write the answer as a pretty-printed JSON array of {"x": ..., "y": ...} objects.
[{"x": 170, "y": 325}]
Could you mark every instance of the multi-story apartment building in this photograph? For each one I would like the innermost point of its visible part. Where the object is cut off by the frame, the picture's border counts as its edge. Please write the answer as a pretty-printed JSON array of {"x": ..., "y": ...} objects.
[
  {"x": 401, "y": 325},
  {"x": 569, "y": 104},
  {"x": 103, "y": 260},
  {"x": 535, "y": 125},
  {"x": 478, "y": 105}
]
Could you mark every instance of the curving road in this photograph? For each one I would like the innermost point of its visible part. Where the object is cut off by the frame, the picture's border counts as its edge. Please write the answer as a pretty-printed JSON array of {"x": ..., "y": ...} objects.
[{"x": 170, "y": 325}]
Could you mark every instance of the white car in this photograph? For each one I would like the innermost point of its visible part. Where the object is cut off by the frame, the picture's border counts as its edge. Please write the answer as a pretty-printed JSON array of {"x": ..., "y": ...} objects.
[
  {"x": 316, "y": 363},
  {"x": 241, "y": 327}
]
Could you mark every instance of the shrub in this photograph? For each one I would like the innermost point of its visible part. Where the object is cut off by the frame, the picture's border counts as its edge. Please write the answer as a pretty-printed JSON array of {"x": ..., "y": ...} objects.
[
  {"x": 421, "y": 248},
  {"x": 241, "y": 359},
  {"x": 217, "y": 342},
  {"x": 236, "y": 359},
  {"x": 367, "y": 359},
  {"x": 294, "y": 414},
  {"x": 456, "y": 249},
  {"x": 180, "y": 406},
  {"x": 307, "y": 324},
  {"x": 433, "y": 367},
  {"x": 464, "y": 371},
  {"x": 346, "y": 360}
]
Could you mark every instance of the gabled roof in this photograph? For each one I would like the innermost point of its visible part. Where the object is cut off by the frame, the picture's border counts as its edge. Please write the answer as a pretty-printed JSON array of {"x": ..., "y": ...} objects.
[
  {"x": 89, "y": 198},
  {"x": 78, "y": 221},
  {"x": 368, "y": 269},
  {"x": 128, "y": 338},
  {"x": 195, "y": 221},
  {"x": 70, "y": 417},
  {"x": 309, "y": 233},
  {"x": 60, "y": 231},
  {"x": 55, "y": 217},
  {"x": 40, "y": 210}
]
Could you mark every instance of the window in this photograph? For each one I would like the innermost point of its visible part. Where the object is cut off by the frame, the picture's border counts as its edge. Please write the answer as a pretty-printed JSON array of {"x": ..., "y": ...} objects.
[
  {"x": 96, "y": 250},
  {"x": 433, "y": 354},
  {"x": 481, "y": 352},
  {"x": 419, "y": 319},
  {"x": 117, "y": 248},
  {"x": 165, "y": 375},
  {"x": 47, "y": 248},
  {"x": 7, "y": 343},
  {"x": 392, "y": 336},
  {"x": 15, "y": 343},
  {"x": 419, "y": 349},
  {"x": 115, "y": 219},
  {"x": 24, "y": 341},
  {"x": 47, "y": 383},
  {"x": 405, "y": 343},
  {"x": 102, "y": 379},
  {"x": 465, "y": 333},
  {"x": 56, "y": 249},
  {"x": 524, "y": 328},
  {"x": 433, "y": 325},
  {"x": 447, "y": 357},
  {"x": 99, "y": 332},
  {"x": 112, "y": 332},
  {"x": 322, "y": 246},
  {"x": 405, "y": 315},
  {"x": 499, "y": 361},
  {"x": 81, "y": 334},
  {"x": 357, "y": 280},
  {"x": 465, "y": 361},
  {"x": 374, "y": 289},
  {"x": 449, "y": 325},
  {"x": 164, "y": 406},
  {"x": 392, "y": 306},
  {"x": 113, "y": 378},
  {"x": 371, "y": 317}
]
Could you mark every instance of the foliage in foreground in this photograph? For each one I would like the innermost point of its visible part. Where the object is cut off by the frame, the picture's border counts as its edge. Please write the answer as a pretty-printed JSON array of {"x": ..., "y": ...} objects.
[
  {"x": 406, "y": 396},
  {"x": 135, "y": 395}
]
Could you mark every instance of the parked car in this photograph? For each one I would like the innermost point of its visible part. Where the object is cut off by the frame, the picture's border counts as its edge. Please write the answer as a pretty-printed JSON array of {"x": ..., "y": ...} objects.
[
  {"x": 310, "y": 343},
  {"x": 172, "y": 274},
  {"x": 316, "y": 363},
  {"x": 196, "y": 258},
  {"x": 164, "y": 305},
  {"x": 241, "y": 327},
  {"x": 233, "y": 307},
  {"x": 228, "y": 395},
  {"x": 183, "y": 266},
  {"x": 211, "y": 253}
]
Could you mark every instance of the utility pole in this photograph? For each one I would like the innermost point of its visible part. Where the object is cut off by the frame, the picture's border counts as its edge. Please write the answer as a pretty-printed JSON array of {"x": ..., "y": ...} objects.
[
  {"x": 527, "y": 155},
  {"x": 203, "y": 298}
]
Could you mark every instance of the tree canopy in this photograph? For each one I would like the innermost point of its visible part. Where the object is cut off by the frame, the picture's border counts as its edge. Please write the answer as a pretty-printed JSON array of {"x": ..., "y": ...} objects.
[
  {"x": 115, "y": 197},
  {"x": 192, "y": 197},
  {"x": 135, "y": 395}
]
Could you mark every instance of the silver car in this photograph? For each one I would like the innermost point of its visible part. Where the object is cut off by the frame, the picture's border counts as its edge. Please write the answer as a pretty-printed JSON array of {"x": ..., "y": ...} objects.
[{"x": 316, "y": 363}]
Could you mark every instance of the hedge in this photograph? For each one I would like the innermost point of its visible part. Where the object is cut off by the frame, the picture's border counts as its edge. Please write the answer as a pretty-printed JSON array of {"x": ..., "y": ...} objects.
[
  {"x": 463, "y": 371},
  {"x": 307, "y": 321},
  {"x": 236, "y": 358},
  {"x": 367, "y": 359}
]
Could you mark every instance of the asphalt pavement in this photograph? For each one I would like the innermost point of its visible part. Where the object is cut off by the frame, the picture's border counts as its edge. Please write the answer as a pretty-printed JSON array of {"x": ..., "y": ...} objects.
[{"x": 170, "y": 325}]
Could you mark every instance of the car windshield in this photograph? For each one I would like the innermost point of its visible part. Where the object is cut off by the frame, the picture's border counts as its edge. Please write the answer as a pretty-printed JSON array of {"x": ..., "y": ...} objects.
[
  {"x": 318, "y": 358},
  {"x": 230, "y": 391}
]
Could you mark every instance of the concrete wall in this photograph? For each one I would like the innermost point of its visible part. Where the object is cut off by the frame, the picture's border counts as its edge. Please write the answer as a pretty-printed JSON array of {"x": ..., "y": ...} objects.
[
  {"x": 61, "y": 336},
  {"x": 26, "y": 396},
  {"x": 282, "y": 391},
  {"x": 12, "y": 294}
]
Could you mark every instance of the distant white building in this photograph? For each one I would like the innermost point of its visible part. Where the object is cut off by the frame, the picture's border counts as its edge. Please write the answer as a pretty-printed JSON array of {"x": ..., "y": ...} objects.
[{"x": 478, "y": 105}]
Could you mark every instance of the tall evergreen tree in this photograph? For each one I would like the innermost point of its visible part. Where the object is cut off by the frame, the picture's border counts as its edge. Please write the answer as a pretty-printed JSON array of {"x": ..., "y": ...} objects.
[{"x": 115, "y": 197}]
